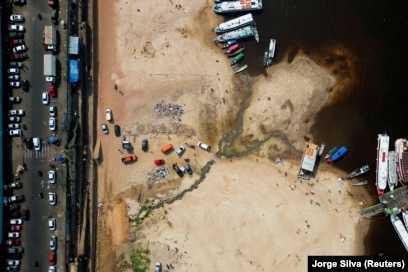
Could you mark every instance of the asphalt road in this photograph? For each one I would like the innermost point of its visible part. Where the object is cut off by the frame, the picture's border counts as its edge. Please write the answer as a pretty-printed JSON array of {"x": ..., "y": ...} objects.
[{"x": 35, "y": 233}]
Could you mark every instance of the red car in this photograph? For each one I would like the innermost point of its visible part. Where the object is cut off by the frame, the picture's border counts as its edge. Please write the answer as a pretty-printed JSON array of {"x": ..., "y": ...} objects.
[
  {"x": 18, "y": 56},
  {"x": 53, "y": 91},
  {"x": 159, "y": 162},
  {"x": 15, "y": 214},
  {"x": 13, "y": 242},
  {"x": 15, "y": 42},
  {"x": 52, "y": 258},
  {"x": 16, "y": 227}
]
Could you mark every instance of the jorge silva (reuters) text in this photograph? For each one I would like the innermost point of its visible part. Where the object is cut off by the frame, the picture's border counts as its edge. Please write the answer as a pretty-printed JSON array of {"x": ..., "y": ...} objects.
[{"x": 366, "y": 264}]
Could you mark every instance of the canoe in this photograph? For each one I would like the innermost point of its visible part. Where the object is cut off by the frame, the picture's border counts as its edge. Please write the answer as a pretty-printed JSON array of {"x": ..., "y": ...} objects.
[
  {"x": 228, "y": 44},
  {"x": 240, "y": 69},
  {"x": 236, "y": 52},
  {"x": 232, "y": 48},
  {"x": 238, "y": 58}
]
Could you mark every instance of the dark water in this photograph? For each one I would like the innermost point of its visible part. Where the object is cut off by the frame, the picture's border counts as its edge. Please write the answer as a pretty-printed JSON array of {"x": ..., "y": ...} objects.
[{"x": 373, "y": 36}]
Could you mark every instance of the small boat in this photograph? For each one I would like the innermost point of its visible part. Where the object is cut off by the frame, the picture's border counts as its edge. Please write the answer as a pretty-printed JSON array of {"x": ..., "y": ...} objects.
[
  {"x": 401, "y": 148},
  {"x": 220, "y": 1},
  {"x": 331, "y": 152},
  {"x": 405, "y": 217},
  {"x": 255, "y": 30},
  {"x": 272, "y": 46},
  {"x": 360, "y": 183},
  {"x": 237, "y": 6},
  {"x": 359, "y": 171},
  {"x": 339, "y": 153},
  {"x": 321, "y": 149},
  {"x": 228, "y": 44},
  {"x": 392, "y": 170},
  {"x": 266, "y": 58},
  {"x": 229, "y": 25},
  {"x": 236, "y": 52},
  {"x": 237, "y": 59},
  {"x": 232, "y": 48},
  {"x": 240, "y": 69},
  {"x": 400, "y": 229},
  {"x": 382, "y": 163},
  {"x": 240, "y": 33}
]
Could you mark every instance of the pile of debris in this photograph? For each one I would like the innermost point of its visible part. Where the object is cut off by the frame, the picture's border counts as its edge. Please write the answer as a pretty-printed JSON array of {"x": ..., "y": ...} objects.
[
  {"x": 157, "y": 174},
  {"x": 167, "y": 110}
]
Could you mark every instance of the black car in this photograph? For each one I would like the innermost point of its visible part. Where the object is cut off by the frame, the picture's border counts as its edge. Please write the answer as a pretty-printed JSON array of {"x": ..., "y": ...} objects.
[
  {"x": 145, "y": 145},
  {"x": 16, "y": 35},
  {"x": 26, "y": 214},
  {"x": 15, "y": 256},
  {"x": 178, "y": 170},
  {"x": 188, "y": 169},
  {"x": 29, "y": 143},
  {"x": 117, "y": 130},
  {"x": 25, "y": 85},
  {"x": 14, "y": 207}
]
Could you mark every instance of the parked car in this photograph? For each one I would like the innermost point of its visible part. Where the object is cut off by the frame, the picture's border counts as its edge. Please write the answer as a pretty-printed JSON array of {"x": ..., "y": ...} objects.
[
  {"x": 108, "y": 114},
  {"x": 15, "y": 214},
  {"x": 52, "y": 269},
  {"x": 15, "y": 132},
  {"x": 13, "y": 71},
  {"x": 37, "y": 143},
  {"x": 50, "y": 47},
  {"x": 26, "y": 85},
  {"x": 15, "y": 42},
  {"x": 16, "y": 28},
  {"x": 16, "y": 198},
  {"x": 16, "y": 64},
  {"x": 14, "y": 207},
  {"x": 54, "y": 17},
  {"x": 51, "y": 177},
  {"x": 16, "y": 35},
  {"x": 188, "y": 169},
  {"x": 13, "y": 242},
  {"x": 53, "y": 243},
  {"x": 15, "y": 84},
  {"x": 52, "y": 224},
  {"x": 19, "y": 2},
  {"x": 105, "y": 129},
  {"x": 53, "y": 111},
  {"x": 26, "y": 214},
  {"x": 178, "y": 170},
  {"x": 16, "y": 221},
  {"x": 52, "y": 123},
  {"x": 16, "y": 18},
  {"x": 14, "y": 250},
  {"x": 180, "y": 151},
  {"x": 13, "y": 262},
  {"x": 45, "y": 97},
  {"x": 15, "y": 99},
  {"x": 28, "y": 143},
  {"x": 52, "y": 258},
  {"x": 13, "y": 185},
  {"x": 157, "y": 267},
  {"x": 15, "y": 119},
  {"x": 159, "y": 162},
  {"x": 16, "y": 227},
  {"x": 17, "y": 112},
  {"x": 117, "y": 130},
  {"x": 18, "y": 56},
  {"x": 52, "y": 198},
  {"x": 50, "y": 79},
  {"x": 13, "y": 126},
  {"x": 20, "y": 48},
  {"x": 13, "y": 234},
  {"x": 53, "y": 91},
  {"x": 14, "y": 77},
  {"x": 145, "y": 145},
  {"x": 204, "y": 146}
]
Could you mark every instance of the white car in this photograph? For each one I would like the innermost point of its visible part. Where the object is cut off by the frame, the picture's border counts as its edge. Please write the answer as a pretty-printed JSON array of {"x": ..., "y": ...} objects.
[
  {"x": 53, "y": 243},
  {"x": 37, "y": 143},
  {"x": 18, "y": 112},
  {"x": 52, "y": 269},
  {"x": 52, "y": 123},
  {"x": 16, "y": 221},
  {"x": 157, "y": 267},
  {"x": 13, "y": 126},
  {"x": 180, "y": 151},
  {"x": 50, "y": 47},
  {"x": 14, "y": 77},
  {"x": 15, "y": 132},
  {"x": 53, "y": 111},
  {"x": 50, "y": 79},
  {"x": 15, "y": 84},
  {"x": 52, "y": 224},
  {"x": 204, "y": 146},
  {"x": 16, "y": 28},
  {"x": 13, "y": 234},
  {"x": 51, "y": 177},
  {"x": 13, "y": 262},
  {"x": 108, "y": 114},
  {"x": 13, "y": 71},
  {"x": 16, "y": 64},
  {"x": 52, "y": 198},
  {"x": 16, "y": 18},
  {"x": 45, "y": 98},
  {"x": 15, "y": 119},
  {"x": 15, "y": 99},
  {"x": 19, "y": 48},
  {"x": 105, "y": 129}
]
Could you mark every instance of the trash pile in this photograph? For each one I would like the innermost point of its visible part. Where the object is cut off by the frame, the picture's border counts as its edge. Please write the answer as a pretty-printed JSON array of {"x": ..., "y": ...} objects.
[
  {"x": 167, "y": 110},
  {"x": 157, "y": 174}
]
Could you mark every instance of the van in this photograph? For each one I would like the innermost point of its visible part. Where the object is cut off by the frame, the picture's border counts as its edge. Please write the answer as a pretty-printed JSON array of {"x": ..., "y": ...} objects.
[
  {"x": 204, "y": 146},
  {"x": 167, "y": 148}
]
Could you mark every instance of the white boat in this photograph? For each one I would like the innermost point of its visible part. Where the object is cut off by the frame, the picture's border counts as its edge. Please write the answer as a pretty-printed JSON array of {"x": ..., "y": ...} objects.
[
  {"x": 321, "y": 149},
  {"x": 392, "y": 170},
  {"x": 239, "y": 22},
  {"x": 272, "y": 45},
  {"x": 400, "y": 229},
  {"x": 237, "y": 6},
  {"x": 240, "y": 33},
  {"x": 382, "y": 163},
  {"x": 405, "y": 217},
  {"x": 401, "y": 148}
]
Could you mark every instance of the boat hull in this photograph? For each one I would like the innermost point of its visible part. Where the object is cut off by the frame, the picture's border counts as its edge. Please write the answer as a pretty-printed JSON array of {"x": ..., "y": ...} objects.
[
  {"x": 234, "y": 23},
  {"x": 359, "y": 171},
  {"x": 392, "y": 170},
  {"x": 240, "y": 69},
  {"x": 401, "y": 149},
  {"x": 241, "y": 33},
  {"x": 400, "y": 229},
  {"x": 238, "y": 6},
  {"x": 236, "y": 52},
  {"x": 339, "y": 153},
  {"x": 382, "y": 163}
]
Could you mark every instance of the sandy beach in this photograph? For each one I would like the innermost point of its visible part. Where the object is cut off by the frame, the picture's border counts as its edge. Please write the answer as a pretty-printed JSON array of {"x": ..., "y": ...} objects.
[{"x": 240, "y": 210}]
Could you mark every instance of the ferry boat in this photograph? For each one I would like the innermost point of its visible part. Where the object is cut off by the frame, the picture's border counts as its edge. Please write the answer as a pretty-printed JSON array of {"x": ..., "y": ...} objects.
[
  {"x": 241, "y": 33},
  {"x": 382, "y": 163},
  {"x": 359, "y": 171},
  {"x": 337, "y": 155},
  {"x": 237, "y": 6},
  {"x": 239, "y": 22},
  {"x": 400, "y": 229},
  {"x": 401, "y": 148},
  {"x": 392, "y": 170},
  {"x": 331, "y": 152}
]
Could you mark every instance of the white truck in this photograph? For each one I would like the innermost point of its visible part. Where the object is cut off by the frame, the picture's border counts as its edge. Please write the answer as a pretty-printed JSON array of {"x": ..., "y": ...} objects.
[
  {"x": 50, "y": 35},
  {"x": 50, "y": 67}
]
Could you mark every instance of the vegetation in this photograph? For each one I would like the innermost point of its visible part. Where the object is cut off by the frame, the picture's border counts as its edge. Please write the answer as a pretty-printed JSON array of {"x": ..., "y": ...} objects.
[{"x": 140, "y": 260}]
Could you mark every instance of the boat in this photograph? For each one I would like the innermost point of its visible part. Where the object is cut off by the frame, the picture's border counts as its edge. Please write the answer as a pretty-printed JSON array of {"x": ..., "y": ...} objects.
[
  {"x": 239, "y": 22},
  {"x": 220, "y": 1},
  {"x": 228, "y": 44},
  {"x": 240, "y": 69},
  {"x": 360, "y": 183},
  {"x": 269, "y": 53},
  {"x": 401, "y": 148},
  {"x": 392, "y": 170},
  {"x": 237, "y": 6},
  {"x": 382, "y": 163},
  {"x": 400, "y": 229},
  {"x": 237, "y": 59},
  {"x": 236, "y": 52},
  {"x": 240, "y": 33},
  {"x": 359, "y": 171},
  {"x": 321, "y": 149},
  {"x": 255, "y": 30},
  {"x": 337, "y": 155},
  {"x": 405, "y": 217},
  {"x": 331, "y": 152},
  {"x": 232, "y": 48},
  {"x": 266, "y": 58}
]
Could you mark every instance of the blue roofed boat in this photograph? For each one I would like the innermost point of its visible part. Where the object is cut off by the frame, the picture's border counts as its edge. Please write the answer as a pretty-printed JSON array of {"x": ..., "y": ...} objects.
[{"x": 339, "y": 153}]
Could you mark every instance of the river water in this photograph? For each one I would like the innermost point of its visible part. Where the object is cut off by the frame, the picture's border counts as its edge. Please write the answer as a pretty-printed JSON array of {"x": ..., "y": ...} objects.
[{"x": 375, "y": 35}]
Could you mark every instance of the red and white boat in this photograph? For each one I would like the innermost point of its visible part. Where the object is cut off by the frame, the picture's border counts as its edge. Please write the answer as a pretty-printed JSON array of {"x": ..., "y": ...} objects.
[
  {"x": 401, "y": 148},
  {"x": 382, "y": 163}
]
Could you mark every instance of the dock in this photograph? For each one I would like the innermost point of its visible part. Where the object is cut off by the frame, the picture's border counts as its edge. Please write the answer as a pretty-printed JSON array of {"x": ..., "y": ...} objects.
[{"x": 390, "y": 202}]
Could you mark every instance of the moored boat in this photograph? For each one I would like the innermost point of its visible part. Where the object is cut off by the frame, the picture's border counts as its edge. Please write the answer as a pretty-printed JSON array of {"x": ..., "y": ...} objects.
[
  {"x": 400, "y": 229},
  {"x": 272, "y": 46},
  {"x": 405, "y": 217},
  {"x": 337, "y": 155},
  {"x": 321, "y": 149},
  {"x": 401, "y": 148},
  {"x": 237, "y": 6},
  {"x": 359, "y": 171},
  {"x": 382, "y": 163},
  {"x": 236, "y": 52},
  {"x": 239, "y": 22},
  {"x": 240, "y": 69},
  {"x": 265, "y": 61},
  {"x": 240, "y": 33},
  {"x": 237, "y": 59},
  {"x": 360, "y": 183},
  {"x": 331, "y": 152},
  {"x": 392, "y": 170},
  {"x": 228, "y": 44},
  {"x": 232, "y": 48}
]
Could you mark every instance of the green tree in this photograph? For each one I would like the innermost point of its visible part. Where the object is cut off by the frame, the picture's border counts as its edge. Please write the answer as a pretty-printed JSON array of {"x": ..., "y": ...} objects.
[{"x": 140, "y": 260}]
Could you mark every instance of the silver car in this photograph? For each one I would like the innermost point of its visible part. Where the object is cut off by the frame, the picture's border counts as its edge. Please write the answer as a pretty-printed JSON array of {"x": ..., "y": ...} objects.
[
  {"x": 52, "y": 224},
  {"x": 52, "y": 198},
  {"x": 52, "y": 124},
  {"x": 15, "y": 132},
  {"x": 53, "y": 243}
]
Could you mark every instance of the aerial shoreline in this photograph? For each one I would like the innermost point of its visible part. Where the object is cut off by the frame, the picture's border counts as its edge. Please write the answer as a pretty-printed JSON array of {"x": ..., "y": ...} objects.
[{"x": 254, "y": 187}]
